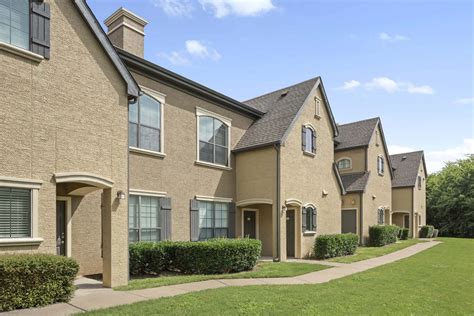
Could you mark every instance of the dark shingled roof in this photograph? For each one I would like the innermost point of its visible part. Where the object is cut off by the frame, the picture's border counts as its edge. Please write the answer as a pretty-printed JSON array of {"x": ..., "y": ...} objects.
[
  {"x": 405, "y": 168},
  {"x": 355, "y": 134},
  {"x": 280, "y": 108},
  {"x": 355, "y": 182}
]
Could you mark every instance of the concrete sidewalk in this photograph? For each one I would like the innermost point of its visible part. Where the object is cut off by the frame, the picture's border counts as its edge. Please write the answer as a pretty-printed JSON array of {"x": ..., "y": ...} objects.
[{"x": 91, "y": 295}]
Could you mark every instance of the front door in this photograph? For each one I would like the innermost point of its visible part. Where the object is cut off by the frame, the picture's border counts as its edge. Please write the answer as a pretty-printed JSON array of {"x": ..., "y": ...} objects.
[
  {"x": 61, "y": 228},
  {"x": 406, "y": 221},
  {"x": 250, "y": 224},
  {"x": 290, "y": 233},
  {"x": 349, "y": 221}
]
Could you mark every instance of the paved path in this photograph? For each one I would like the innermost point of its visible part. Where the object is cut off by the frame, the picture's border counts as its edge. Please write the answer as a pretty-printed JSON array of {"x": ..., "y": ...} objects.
[{"x": 91, "y": 295}]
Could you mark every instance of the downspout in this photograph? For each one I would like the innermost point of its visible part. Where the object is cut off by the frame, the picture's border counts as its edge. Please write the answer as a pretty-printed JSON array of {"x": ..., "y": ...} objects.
[
  {"x": 361, "y": 218},
  {"x": 278, "y": 206}
]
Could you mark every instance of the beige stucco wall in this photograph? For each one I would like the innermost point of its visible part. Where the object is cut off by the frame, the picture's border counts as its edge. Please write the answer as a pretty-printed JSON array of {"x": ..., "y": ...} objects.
[
  {"x": 305, "y": 177},
  {"x": 68, "y": 113},
  {"x": 177, "y": 174},
  {"x": 419, "y": 201},
  {"x": 402, "y": 199},
  {"x": 356, "y": 155}
]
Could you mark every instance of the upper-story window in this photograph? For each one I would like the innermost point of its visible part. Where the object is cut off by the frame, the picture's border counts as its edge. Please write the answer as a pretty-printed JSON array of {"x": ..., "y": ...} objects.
[
  {"x": 419, "y": 182},
  {"x": 213, "y": 138},
  {"x": 145, "y": 123},
  {"x": 15, "y": 22},
  {"x": 380, "y": 165},
  {"x": 308, "y": 138},
  {"x": 344, "y": 163}
]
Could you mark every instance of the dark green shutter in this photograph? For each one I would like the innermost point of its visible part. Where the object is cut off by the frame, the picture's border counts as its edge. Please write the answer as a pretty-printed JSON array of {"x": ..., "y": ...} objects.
[
  {"x": 314, "y": 142},
  {"x": 314, "y": 223},
  {"x": 194, "y": 218},
  {"x": 303, "y": 138},
  {"x": 40, "y": 28},
  {"x": 165, "y": 218},
  {"x": 231, "y": 229},
  {"x": 303, "y": 219}
]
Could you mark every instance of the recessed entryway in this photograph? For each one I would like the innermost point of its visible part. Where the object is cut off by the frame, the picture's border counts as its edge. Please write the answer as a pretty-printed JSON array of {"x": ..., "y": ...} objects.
[
  {"x": 349, "y": 221},
  {"x": 250, "y": 223},
  {"x": 63, "y": 226},
  {"x": 290, "y": 233}
]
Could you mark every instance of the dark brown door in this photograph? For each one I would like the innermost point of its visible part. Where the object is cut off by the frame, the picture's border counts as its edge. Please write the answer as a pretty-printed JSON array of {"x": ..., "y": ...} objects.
[
  {"x": 250, "y": 224},
  {"x": 61, "y": 228},
  {"x": 290, "y": 233},
  {"x": 349, "y": 221},
  {"x": 406, "y": 220}
]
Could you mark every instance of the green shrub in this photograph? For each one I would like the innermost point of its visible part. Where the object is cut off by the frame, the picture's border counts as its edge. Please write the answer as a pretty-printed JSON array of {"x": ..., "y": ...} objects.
[
  {"x": 213, "y": 256},
  {"x": 147, "y": 258},
  {"x": 28, "y": 280},
  {"x": 328, "y": 246},
  {"x": 381, "y": 235},
  {"x": 426, "y": 231},
  {"x": 403, "y": 233},
  {"x": 435, "y": 233}
]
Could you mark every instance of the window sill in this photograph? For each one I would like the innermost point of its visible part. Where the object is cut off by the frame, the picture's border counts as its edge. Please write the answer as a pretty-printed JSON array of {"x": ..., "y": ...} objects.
[
  {"x": 307, "y": 153},
  {"x": 309, "y": 233},
  {"x": 146, "y": 152},
  {"x": 21, "y": 52},
  {"x": 211, "y": 165},
  {"x": 381, "y": 174},
  {"x": 9, "y": 242}
]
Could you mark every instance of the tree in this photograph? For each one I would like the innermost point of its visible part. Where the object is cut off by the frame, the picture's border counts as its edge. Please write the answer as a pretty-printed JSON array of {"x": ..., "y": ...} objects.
[{"x": 450, "y": 199}]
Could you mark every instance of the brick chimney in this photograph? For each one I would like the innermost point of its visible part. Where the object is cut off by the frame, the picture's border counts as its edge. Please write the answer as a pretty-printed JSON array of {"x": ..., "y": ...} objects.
[{"x": 126, "y": 30}]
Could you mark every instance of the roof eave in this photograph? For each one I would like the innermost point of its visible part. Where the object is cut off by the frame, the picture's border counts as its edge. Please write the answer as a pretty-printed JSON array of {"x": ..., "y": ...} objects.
[{"x": 239, "y": 150}]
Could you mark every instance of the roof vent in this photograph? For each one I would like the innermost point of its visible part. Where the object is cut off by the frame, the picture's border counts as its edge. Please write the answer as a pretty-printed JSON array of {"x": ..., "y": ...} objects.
[
  {"x": 284, "y": 93},
  {"x": 404, "y": 157}
]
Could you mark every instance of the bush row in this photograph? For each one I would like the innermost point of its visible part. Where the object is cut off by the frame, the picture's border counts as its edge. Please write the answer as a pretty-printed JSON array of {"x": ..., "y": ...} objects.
[
  {"x": 32, "y": 280},
  {"x": 381, "y": 235},
  {"x": 213, "y": 256},
  {"x": 328, "y": 246},
  {"x": 403, "y": 234},
  {"x": 427, "y": 231}
]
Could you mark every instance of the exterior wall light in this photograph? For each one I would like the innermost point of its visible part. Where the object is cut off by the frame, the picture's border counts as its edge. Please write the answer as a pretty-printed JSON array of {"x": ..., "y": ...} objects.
[{"x": 120, "y": 195}]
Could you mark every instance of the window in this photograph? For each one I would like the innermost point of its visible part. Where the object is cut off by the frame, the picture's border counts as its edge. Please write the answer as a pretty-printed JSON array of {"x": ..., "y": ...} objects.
[
  {"x": 213, "y": 141},
  {"x": 145, "y": 120},
  {"x": 213, "y": 220},
  {"x": 15, "y": 213},
  {"x": 380, "y": 216},
  {"x": 317, "y": 105},
  {"x": 419, "y": 182},
  {"x": 15, "y": 22},
  {"x": 309, "y": 219},
  {"x": 144, "y": 218},
  {"x": 308, "y": 140},
  {"x": 380, "y": 165},
  {"x": 344, "y": 163}
]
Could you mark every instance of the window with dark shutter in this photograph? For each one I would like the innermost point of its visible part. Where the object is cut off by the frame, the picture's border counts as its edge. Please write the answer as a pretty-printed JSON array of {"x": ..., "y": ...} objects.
[
  {"x": 14, "y": 23},
  {"x": 214, "y": 219},
  {"x": 308, "y": 219},
  {"x": 15, "y": 213},
  {"x": 40, "y": 28},
  {"x": 380, "y": 216}
]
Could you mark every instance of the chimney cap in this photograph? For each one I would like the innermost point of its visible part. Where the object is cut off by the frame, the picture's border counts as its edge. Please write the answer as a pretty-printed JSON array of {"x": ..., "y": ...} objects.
[{"x": 127, "y": 13}]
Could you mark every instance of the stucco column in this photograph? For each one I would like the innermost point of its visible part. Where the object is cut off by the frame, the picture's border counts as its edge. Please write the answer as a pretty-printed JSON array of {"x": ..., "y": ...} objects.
[
  {"x": 115, "y": 239},
  {"x": 283, "y": 214}
]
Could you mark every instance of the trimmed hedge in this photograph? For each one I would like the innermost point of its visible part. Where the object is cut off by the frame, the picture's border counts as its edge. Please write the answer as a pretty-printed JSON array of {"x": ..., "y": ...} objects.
[
  {"x": 403, "y": 233},
  {"x": 435, "y": 233},
  {"x": 426, "y": 231},
  {"x": 28, "y": 280},
  {"x": 214, "y": 256},
  {"x": 336, "y": 245},
  {"x": 381, "y": 235}
]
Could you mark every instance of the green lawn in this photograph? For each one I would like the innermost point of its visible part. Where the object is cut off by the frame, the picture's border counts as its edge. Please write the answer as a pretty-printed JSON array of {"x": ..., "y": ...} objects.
[
  {"x": 263, "y": 270},
  {"x": 438, "y": 281},
  {"x": 364, "y": 253}
]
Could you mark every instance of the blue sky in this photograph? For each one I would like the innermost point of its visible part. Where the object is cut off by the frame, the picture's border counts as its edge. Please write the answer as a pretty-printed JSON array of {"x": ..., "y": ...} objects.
[{"x": 409, "y": 62}]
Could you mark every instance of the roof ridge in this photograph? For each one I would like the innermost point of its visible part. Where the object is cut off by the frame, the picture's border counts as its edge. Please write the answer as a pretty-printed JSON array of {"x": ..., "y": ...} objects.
[
  {"x": 284, "y": 88},
  {"x": 408, "y": 152},
  {"x": 365, "y": 120}
]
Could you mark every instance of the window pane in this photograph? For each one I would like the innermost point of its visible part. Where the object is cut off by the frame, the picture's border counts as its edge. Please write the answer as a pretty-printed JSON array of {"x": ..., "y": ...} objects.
[
  {"x": 4, "y": 33},
  {"x": 220, "y": 133},
  {"x": 149, "y": 234},
  {"x": 19, "y": 38},
  {"x": 309, "y": 218},
  {"x": 309, "y": 140},
  {"x": 149, "y": 138},
  {"x": 206, "y": 152},
  {"x": 205, "y": 215},
  {"x": 133, "y": 211},
  {"x": 20, "y": 5},
  {"x": 19, "y": 20},
  {"x": 149, "y": 111},
  {"x": 133, "y": 112},
  {"x": 149, "y": 212},
  {"x": 206, "y": 129},
  {"x": 221, "y": 156},
  {"x": 15, "y": 213},
  {"x": 220, "y": 233},
  {"x": 132, "y": 135},
  {"x": 4, "y": 14},
  {"x": 221, "y": 215},
  {"x": 205, "y": 233},
  {"x": 132, "y": 235}
]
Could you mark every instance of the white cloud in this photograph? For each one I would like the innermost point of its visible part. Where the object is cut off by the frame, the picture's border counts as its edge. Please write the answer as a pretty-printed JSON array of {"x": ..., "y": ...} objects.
[
  {"x": 175, "y": 7},
  {"x": 392, "y": 38},
  {"x": 176, "y": 58},
  {"x": 222, "y": 8},
  {"x": 436, "y": 159},
  {"x": 198, "y": 49},
  {"x": 464, "y": 101},
  {"x": 388, "y": 85}
]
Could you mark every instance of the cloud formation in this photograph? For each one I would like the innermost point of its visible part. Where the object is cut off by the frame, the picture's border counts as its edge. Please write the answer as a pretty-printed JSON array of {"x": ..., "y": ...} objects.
[
  {"x": 193, "y": 49},
  {"x": 222, "y": 8},
  {"x": 464, "y": 101},
  {"x": 392, "y": 38},
  {"x": 175, "y": 7},
  {"x": 388, "y": 85}
]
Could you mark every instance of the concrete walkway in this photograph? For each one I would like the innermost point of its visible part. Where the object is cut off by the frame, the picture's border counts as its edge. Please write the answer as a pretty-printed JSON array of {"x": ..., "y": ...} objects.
[{"x": 91, "y": 295}]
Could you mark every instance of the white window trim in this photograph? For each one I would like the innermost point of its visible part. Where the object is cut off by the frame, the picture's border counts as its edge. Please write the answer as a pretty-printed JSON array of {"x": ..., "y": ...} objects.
[
  {"x": 21, "y": 52},
  {"x": 309, "y": 232},
  {"x": 213, "y": 199},
  {"x": 342, "y": 158},
  {"x": 160, "y": 97},
  {"x": 311, "y": 127},
  {"x": 34, "y": 186},
  {"x": 379, "y": 170},
  {"x": 228, "y": 122},
  {"x": 257, "y": 224},
  {"x": 146, "y": 193},
  {"x": 317, "y": 107}
]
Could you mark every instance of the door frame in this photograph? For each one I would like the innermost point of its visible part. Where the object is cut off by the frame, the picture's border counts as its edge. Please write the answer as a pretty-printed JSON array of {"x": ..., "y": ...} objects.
[
  {"x": 357, "y": 217},
  {"x": 67, "y": 199},
  {"x": 257, "y": 233},
  {"x": 297, "y": 250}
]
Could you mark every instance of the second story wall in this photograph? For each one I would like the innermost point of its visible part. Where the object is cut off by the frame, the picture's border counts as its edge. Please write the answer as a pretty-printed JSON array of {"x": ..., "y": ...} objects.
[
  {"x": 419, "y": 192},
  {"x": 357, "y": 157}
]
